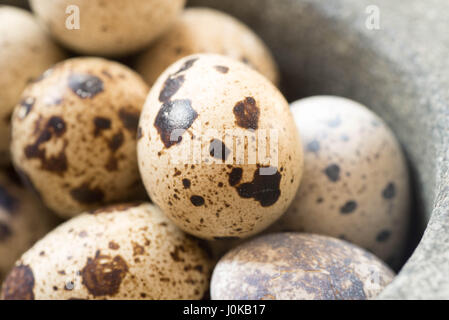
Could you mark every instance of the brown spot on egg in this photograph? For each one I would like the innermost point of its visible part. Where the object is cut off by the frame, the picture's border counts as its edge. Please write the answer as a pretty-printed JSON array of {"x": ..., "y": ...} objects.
[
  {"x": 333, "y": 172},
  {"x": 186, "y": 183},
  {"x": 218, "y": 150},
  {"x": 173, "y": 119},
  {"x": 235, "y": 176},
  {"x": 106, "y": 73},
  {"x": 245, "y": 60},
  {"x": 222, "y": 69},
  {"x": 334, "y": 123},
  {"x": 113, "y": 245},
  {"x": 138, "y": 250},
  {"x": 102, "y": 275},
  {"x": 264, "y": 188},
  {"x": 247, "y": 114},
  {"x": 130, "y": 119},
  {"x": 197, "y": 201},
  {"x": 83, "y": 234},
  {"x": 101, "y": 124},
  {"x": 187, "y": 65},
  {"x": 348, "y": 207},
  {"x": 26, "y": 105},
  {"x": 176, "y": 253},
  {"x": 86, "y": 195},
  {"x": 313, "y": 146},
  {"x": 85, "y": 86},
  {"x": 171, "y": 86},
  {"x": 177, "y": 173},
  {"x": 117, "y": 141},
  {"x": 390, "y": 191},
  {"x": 55, "y": 127},
  {"x": 5, "y": 231},
  {"x": 19, "y": 284}
]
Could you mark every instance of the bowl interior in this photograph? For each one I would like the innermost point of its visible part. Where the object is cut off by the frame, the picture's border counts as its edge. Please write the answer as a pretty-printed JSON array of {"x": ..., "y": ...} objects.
[{"x": 322, "y": 53}]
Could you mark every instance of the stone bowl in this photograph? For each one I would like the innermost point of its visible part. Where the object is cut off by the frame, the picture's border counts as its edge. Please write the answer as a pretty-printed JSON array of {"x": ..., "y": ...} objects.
[{"x": 399, "y": 67}]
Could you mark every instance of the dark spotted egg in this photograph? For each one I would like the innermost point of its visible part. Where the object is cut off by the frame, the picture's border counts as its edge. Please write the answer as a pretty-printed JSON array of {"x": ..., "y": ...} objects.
[
  {"x": 74, "y": 134},
  {"x": 218, "y": 148},
  {"x": 26, "y": 51},
  {"x": 23, "y": 220},
  {"x": 299, "y": 266},
  {"x": 129, "y": 251},
  {"x": 355, "y": 185},
  {"x": 206, "y": 30},
  {"x": 107, "y": 28}
]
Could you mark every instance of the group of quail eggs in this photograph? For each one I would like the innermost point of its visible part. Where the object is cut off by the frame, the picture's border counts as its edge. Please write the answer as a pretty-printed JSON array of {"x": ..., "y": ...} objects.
[{"x": 155, "y": 208}]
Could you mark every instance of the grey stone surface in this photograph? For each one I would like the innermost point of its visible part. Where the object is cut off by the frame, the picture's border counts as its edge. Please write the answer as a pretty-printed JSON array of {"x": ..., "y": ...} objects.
[{"x": 400, "y": 71}]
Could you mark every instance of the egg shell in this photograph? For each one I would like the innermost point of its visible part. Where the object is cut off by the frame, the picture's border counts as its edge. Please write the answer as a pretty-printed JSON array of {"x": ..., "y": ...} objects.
[
  {"x": 26, "y": 52},
  {"x": 223, "y": 195},
  {"x": 356, "y": 183},
  {"x": 74, "y": 135},
  {"x": 204, "y": 30},
  {"x": 294, "y": 266},
  {"x": 107, "y": 28},
  {"x": 23, "y": 220},
  {"x": 129, "y": 251}
]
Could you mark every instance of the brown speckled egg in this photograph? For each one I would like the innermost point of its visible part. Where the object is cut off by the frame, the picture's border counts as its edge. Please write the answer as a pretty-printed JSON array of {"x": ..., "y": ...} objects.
[
  {"x": 74, "y": 135},
  {"x": 204, "y": 136},
  {"x": 23, "y": 220},
  {"x": 107, "y": 28},
  {"x": 122, "y": 252},
  {"x": 356, "y": 184},
  {"x": 26, "y": 51},
  {"x": 294, "y": 266},
  {"x": 203, "y": 30}
]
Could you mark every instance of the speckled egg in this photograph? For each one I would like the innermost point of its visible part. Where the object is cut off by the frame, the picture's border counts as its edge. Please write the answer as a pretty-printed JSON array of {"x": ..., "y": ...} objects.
[
  {"x": 23, "y": 220},
  {"x": 356, "y": 184},
  {"x": 74, "y": 135},
  {"x": 26, "y": 52},
  {"x": 294, "y": 266},
  {"x": 203, "y": 30},
  {"x": 122, "y": 252},
  {"x": 107, "y": 28},
  {"x": 218, "y": 148}
]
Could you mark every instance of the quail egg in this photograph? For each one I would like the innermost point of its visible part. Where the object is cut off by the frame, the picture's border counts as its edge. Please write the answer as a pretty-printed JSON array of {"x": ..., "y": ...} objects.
[
  {"x": 356, "y": 184},
  {"x": 26, "y": 52},
  {"x": 204, "y": 30},
  {"x": 74, "y": 135},
  {"x": 107, "y": 28},
  {"x": 129, "y": 251},
  {"x": 294, "y": 266},
  {"x": 218, "y": 149}
]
